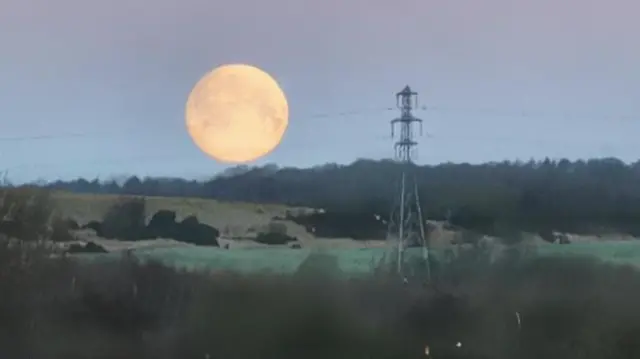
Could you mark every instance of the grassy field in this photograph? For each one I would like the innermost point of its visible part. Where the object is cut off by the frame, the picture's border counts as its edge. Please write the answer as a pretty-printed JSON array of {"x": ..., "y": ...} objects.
[
  {"x": 237, "y": 219},
  {"x": 233, "y": 219},
  {"x": 354, "y": 261},
  {"x": 87, "y": 207}
]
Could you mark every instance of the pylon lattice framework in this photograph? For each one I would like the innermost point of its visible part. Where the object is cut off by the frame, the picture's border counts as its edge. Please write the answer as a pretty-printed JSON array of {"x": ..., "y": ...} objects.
[{"x": 406, "y": 224}]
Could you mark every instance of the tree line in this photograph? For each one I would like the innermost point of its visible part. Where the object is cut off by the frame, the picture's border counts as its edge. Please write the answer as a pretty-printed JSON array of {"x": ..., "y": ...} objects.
[{"x": 593, "y": 196}]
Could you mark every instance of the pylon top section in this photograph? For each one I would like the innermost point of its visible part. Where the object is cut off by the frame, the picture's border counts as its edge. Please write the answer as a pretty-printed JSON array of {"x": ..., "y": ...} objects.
[
  {"x": 404, "y": 97},
  {"x": 406, "y": 91}
]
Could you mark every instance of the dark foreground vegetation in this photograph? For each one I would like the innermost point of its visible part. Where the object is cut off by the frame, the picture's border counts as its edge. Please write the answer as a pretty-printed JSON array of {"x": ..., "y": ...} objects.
[
  {"x": 518, "y": 308},
  {"x": 594, "y": 196}
]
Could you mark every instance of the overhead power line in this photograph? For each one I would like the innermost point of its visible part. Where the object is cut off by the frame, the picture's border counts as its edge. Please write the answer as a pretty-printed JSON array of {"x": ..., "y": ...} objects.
[
  {"x": 529, "y": 113},
  {"x": 492, "y": 112},
  {"x": 104, "y": 161},
  {"x": 121, "y": 132}
]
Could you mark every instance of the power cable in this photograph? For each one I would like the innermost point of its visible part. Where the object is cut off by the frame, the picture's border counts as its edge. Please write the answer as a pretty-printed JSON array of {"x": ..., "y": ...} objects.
[
  {"x": 105, "y": 161},
  {"x": 528, "y": 113},
  {"x": 476, "y": 111},
  {"x": 493, "y": 112},
  {"x": 120, "y": 132}
]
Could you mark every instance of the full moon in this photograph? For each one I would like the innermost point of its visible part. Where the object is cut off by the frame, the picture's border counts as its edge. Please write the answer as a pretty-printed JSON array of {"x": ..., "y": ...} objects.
[{"x": 237, "y": 114}]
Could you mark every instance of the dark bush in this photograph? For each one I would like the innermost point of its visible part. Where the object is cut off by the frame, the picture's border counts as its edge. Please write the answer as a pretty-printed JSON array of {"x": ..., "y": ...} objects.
[
  {"x": 162, "y": 225},
  {"x": 70, "y": 224},
  {"x": 90, "y": 247},
  {"x": 190, "y": 230},
  {"x": 25, "y": 212},
  {"x": 274, "y": 238},
  {"x": 125, "y": 220},
  {"x": 356, "y": 225},
  {"x": 275, "y": 233},
  {"x": 94, "y": 225},
  {"x": 277, "y": 227},
  {"x": 190, "y": 221},
  {"x": 60, "y": 230}
]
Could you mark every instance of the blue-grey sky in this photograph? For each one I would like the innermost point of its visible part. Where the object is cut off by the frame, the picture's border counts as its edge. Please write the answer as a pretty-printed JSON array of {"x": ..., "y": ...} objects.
[{"x": 507, "y": 79}]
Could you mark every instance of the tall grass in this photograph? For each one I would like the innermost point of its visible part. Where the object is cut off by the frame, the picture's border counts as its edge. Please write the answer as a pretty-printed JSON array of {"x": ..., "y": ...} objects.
[
  {"x": 26, "y": 213},
  {"x": 532, "y": 308}
]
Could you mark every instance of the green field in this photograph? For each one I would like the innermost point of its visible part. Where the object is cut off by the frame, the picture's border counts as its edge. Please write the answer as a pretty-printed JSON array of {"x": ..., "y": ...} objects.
[{"x": 351, "y": 261}]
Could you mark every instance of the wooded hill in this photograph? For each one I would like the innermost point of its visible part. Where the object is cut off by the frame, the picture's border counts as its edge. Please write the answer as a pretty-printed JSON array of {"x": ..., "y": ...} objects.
[{"x": 592, "y": 196}]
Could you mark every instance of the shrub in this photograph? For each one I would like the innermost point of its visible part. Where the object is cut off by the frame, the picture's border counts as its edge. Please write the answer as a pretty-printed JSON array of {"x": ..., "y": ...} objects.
[
  {"x": 190, "y": 230},
  {"x": 345, "y": 224},
  {"x": 162, "y": 225},
  {"x": 90, "y": 247},
  {"x": 60, "y": 230},
  {"x": 95, "y": 226},
  {"x": 125, "y": 220},
  {"x": 25, "y": 213},
  {"x": 274, "y": 238},
  {"x": 275, "y": 234},
  {"x": 277, "y": 227}
]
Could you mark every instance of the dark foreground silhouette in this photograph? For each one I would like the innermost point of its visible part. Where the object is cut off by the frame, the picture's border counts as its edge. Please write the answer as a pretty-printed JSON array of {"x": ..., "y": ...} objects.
[{"x": 516, "y": 309}]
